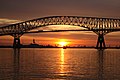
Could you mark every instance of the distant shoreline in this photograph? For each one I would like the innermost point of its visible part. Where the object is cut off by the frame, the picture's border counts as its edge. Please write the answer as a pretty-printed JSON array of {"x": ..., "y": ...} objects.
[{"x": 61, "y": 47}]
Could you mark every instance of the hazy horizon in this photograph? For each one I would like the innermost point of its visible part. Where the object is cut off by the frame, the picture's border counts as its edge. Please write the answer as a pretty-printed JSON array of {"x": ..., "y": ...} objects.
[{"x": 19, "y": 10}]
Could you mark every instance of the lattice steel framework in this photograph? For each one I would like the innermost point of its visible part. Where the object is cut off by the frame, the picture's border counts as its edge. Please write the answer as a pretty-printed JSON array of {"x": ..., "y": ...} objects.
[
  {"x": 91, "y": 23},
  {"x": 100, "y": 26}
]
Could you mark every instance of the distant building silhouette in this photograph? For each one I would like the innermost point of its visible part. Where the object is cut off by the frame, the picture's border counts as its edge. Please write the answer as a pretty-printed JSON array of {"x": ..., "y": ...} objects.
[{"x": 33, "y": 41}]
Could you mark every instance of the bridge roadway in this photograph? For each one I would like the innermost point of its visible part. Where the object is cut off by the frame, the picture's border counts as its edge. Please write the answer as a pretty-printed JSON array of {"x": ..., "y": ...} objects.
[
  {"x": 43, "y": 31},
  {"x": 100, "y": 26},
  {"x": 40, "y": 31}
]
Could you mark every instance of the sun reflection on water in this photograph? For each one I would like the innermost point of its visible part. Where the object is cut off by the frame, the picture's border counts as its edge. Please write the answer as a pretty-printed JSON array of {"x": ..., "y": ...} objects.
[{"x": 62, "y": 61}]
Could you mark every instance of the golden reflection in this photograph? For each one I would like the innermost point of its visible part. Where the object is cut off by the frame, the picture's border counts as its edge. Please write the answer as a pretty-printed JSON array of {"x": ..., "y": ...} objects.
[{"x": 62, "y": 62}]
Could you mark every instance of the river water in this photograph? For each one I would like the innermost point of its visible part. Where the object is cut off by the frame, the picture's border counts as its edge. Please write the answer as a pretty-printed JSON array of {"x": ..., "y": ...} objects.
[{"x": 59, "y": 64}]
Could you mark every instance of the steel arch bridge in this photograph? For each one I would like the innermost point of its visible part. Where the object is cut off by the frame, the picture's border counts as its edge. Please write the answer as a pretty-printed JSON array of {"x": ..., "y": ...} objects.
[{"x": 100, "y": 26}]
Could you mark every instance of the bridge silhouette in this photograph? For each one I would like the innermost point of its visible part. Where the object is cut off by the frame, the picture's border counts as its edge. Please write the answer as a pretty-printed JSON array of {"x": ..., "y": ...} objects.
[{"x": 100, "y": 26}]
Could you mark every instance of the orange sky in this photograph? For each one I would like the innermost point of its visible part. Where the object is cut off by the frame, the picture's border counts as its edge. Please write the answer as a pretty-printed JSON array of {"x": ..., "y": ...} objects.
[
  {"x": 22, "y": 10},
  {"x": 73, "y": 39}
]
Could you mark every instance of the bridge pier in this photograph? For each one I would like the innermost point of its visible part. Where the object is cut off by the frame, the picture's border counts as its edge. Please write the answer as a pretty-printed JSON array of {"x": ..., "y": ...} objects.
[
  {"x": 16, "y": 42},
  {"x": 101, "y": 41}
]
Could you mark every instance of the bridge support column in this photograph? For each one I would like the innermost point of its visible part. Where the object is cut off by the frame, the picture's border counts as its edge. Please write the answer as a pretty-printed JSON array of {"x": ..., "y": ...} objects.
[
  {"x": 16, "y": 43},
  {"x": 101, "y": 41}
]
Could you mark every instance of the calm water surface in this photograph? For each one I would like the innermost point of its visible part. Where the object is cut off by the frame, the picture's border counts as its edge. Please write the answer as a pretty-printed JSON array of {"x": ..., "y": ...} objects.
[{"x": 59, "y": 64}]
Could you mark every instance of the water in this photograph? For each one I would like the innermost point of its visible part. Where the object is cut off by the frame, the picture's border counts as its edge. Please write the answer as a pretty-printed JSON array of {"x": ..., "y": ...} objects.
[{"x": 59, "y": 64}]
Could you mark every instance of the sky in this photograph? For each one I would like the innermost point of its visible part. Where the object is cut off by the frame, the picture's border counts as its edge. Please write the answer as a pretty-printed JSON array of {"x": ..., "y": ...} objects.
[{"x": 14, "y": 11}]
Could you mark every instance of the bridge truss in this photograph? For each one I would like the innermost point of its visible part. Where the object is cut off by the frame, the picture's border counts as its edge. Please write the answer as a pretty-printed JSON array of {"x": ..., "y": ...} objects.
[{"x": 101, "y": 26}]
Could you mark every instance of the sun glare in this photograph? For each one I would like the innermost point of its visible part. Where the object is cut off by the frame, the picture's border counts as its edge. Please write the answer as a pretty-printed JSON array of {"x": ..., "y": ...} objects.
[{"x": 62, "y": 43}]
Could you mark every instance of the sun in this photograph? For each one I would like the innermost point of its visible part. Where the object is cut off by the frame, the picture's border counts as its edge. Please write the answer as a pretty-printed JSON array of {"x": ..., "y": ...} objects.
[{"x": 62, "y": 43}]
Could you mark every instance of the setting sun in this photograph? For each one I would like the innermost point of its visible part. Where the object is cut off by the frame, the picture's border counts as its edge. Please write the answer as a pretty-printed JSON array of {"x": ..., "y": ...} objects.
[{"x": 62, "y": 44}]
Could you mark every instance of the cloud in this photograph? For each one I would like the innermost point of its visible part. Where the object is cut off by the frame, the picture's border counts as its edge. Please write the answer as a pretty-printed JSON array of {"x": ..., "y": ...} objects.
[
  {"x": 38, "y": 8},
  {"x": 4, "y": 21}
]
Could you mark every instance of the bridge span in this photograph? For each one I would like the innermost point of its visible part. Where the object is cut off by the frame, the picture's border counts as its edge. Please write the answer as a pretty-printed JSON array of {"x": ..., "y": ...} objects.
[{"x": 100, "y": 26}]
